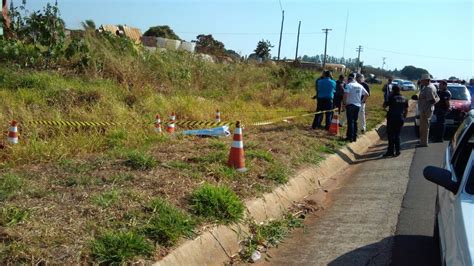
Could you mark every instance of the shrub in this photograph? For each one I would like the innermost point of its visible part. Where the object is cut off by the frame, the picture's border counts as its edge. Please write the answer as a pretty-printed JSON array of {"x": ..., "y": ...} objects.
[
  {"x": 140, "y": 161},
  {"x": 168, "y": 223},
  {"x": 118, "y": 248},
  {"x": 12, "y": 215},
  {"x": 9, "y": 185},
  {"x": 217, "y": 202}
]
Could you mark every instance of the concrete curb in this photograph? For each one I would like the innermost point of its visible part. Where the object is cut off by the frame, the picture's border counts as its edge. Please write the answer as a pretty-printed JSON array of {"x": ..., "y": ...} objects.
[{"x": 215, "y": 246}]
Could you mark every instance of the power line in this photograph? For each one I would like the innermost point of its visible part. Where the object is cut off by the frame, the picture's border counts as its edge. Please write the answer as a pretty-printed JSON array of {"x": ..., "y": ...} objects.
[
  {"x": 419, "y": 55},
  {"x": 281, "y": 7},
  {"x": 345, "y": 35},
  {"x": 255, "y": 33}
]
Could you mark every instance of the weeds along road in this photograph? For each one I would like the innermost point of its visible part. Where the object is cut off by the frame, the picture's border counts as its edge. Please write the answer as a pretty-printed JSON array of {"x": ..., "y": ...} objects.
[{"x": 378, "y": 207}]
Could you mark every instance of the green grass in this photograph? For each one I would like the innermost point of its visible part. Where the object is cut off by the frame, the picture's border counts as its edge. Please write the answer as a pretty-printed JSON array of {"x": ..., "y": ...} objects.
[
  {"x": 168, "y": 223},
  {"x": 117, "y": 248},
  {"x": 106, "y": 199},
  {"x": 217, "y": 203},
  {"x": 10, "y": 184},
  {"x": 140, "y": 161},
  {"x": 79, "y": 180},
  {"x": 259, "y": 154},
  {"x": 120, "y": 178},
  {"x": 179, "y": 165},
  {"x": 12, "y": 215},
  {"x": 278, "y": 173}
]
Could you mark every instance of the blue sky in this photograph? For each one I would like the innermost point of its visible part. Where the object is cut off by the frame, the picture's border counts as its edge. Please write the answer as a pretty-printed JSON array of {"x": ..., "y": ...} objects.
[{"x": 433, "y": 34}]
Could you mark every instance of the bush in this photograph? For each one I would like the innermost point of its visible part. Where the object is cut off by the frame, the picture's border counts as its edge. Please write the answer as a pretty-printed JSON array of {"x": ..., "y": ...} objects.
[
  {"x": 168, "y": 223},
  {"x": 118, "y": 248},
  {"x": 140, "y": 161},
  {"x": 217, "y": 202},
  {"x": 9, "y": 185}
]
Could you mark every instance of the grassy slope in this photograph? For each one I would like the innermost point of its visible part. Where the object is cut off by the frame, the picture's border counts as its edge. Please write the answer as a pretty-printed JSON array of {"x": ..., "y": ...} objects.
[{"x": 78, "y": 183}]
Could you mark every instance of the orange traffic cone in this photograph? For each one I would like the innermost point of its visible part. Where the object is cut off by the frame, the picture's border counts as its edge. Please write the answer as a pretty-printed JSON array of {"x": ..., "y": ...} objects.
[
  {"x": 13, "y": 133},
  {"x": 236, "y": 156},
  {"x": 171, "y": 126},
  {"x": 334, "y": 128},
  {"x": 218, "y": 116},
  {"x": 158, "y": 124}
]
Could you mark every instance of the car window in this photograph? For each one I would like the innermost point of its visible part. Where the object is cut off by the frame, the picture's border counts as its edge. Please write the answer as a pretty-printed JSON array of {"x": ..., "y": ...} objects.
[
  {"x": 470, "y": 182},
  {"x": 457, "y": 135},
  {"x": 462, "y": 153},
  {"x": 458, "y": 93}
]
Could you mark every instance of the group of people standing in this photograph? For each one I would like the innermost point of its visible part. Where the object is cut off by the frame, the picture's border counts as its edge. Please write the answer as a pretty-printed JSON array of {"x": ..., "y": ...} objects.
[{"x": 350, "y": 95}]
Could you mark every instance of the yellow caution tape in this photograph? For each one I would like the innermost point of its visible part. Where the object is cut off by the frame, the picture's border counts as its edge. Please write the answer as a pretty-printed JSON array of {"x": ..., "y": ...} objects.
[
  {"x": 183, "y": 123},
  {"x": 73, "y": 123}
]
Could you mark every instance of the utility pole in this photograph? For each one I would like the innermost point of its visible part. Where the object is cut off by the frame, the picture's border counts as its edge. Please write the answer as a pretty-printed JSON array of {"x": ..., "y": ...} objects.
[
  {"x": 325, "y": 47},
  {"x": 359, "y": 49},
  {"x": 297, "y": 41},
  {"x": 281, "y": 32},
  {"x": 383, "y": 64}
]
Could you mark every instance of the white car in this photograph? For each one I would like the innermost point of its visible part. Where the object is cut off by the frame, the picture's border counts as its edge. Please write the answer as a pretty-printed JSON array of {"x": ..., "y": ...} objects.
[
  {"x": 408, "y": 86},
  {"x": 454, "y": 211}
]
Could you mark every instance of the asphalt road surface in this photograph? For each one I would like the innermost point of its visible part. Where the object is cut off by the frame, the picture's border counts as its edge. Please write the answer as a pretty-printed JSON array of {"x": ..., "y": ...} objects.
[{"x": 380, "y": 213}]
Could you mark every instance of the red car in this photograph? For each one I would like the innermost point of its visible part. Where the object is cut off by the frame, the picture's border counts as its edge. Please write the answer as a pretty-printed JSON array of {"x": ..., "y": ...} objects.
[{"x": 460, "y": 104}]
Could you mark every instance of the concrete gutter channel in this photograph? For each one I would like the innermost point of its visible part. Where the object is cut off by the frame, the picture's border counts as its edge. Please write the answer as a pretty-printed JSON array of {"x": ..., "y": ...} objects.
[{"x": 216, "y": 246}]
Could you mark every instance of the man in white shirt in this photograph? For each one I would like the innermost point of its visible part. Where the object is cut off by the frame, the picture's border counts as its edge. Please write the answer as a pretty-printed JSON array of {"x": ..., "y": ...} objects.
[{"x": 354, "y": 95}]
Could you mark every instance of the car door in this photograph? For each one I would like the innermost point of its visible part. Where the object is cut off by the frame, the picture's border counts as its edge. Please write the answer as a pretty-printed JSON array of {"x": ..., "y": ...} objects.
[
  {"x": 457, "y": 157},
  {"x": 455, "y": 239}
]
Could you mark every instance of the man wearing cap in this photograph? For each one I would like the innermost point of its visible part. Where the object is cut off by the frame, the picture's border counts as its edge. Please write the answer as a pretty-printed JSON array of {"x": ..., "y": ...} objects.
[
  {"x": 426, "y": 101},
  {"x": 354, "y": 95},
  {"x": 360, "y": 79},
  {"x": 326, "y": 88}
]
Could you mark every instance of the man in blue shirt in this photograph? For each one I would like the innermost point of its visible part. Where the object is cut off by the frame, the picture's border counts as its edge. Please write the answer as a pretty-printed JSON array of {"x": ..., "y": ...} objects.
[{"x": 325, "y": 94}]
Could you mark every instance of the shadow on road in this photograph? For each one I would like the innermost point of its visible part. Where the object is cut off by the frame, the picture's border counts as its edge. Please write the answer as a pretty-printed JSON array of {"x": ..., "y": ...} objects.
[
  {"x": 375, "y": 152},
  {"x": 378, "y": 253}
]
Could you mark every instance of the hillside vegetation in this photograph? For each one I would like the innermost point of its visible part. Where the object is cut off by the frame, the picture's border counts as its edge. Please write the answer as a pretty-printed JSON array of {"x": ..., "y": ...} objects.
[{"x": 125, "y": 193}]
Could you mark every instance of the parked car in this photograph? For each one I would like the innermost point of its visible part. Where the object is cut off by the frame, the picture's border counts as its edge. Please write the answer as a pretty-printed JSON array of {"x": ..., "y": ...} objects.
[
  {"x": 372, "y": 79},
  {"x": 454, "y": 205},
  {"x": 460, "y": 106},
  {"x": 408, "y": 86},
  {"x": 398, "y": 82}
]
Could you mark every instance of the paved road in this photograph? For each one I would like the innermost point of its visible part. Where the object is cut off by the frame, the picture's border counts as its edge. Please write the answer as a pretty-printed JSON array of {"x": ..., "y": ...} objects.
[{"x": 370, "y": 217}]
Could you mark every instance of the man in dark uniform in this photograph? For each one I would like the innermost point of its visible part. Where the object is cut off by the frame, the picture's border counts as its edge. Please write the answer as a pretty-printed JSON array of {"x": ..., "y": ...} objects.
[
  {"x": 441, "y": 109},
  {"x": 397, "y": 112},
  {"x": 339, "y": 94}
]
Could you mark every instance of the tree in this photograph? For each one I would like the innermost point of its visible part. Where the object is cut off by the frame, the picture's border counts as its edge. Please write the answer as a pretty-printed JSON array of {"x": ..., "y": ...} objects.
[
  {"x": 453, "y": 78},
  {"x": 88, "y": 24},
  {"x": 263, "y": 49},
  {"x": 412, "y": 72},
  {"x": 162, "y": 31},
  {"x": 206, "y": 44}
]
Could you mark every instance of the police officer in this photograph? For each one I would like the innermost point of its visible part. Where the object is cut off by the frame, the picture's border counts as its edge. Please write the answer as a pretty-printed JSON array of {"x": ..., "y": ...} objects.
[{"x": 397, "y": 112}]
